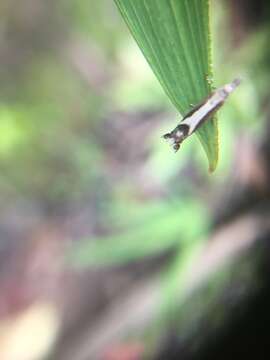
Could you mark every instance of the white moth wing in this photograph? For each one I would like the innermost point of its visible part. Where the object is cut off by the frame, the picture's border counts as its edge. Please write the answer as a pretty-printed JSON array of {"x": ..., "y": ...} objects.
[
  {"x": 193, "y": 120},
  {"x": 217, "y": 98}
]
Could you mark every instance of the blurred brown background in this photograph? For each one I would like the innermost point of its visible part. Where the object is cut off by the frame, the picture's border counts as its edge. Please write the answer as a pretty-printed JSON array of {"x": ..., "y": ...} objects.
[{"x": 111, "y": 246}]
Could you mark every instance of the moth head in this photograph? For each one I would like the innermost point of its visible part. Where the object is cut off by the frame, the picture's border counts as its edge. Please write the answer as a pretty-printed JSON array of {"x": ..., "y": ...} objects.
[{"x": 177, "y": 136}]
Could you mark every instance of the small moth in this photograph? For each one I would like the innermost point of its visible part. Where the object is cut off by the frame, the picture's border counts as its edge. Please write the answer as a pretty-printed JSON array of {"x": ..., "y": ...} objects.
[{"x": 199, "y": 114}]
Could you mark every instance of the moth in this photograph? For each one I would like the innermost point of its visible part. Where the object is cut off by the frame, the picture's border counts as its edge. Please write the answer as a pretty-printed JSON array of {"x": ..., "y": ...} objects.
[{"x": 199, "y": 114}]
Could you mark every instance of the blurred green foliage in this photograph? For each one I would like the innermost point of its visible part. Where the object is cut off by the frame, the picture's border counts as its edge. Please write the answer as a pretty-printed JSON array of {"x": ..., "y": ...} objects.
[
  {"x": 168, "y": 226},
  {"x": 75, "y": 91},
  {"x": 58, "y": 100}
]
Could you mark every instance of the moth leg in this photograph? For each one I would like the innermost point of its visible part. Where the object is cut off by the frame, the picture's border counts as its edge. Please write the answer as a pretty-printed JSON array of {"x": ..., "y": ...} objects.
[{"x": 177, "y": 136}]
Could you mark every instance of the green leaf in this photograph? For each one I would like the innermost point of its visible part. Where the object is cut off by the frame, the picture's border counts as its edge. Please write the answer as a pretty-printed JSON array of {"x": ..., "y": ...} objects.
[
  {"x": 174, "y": 37},
  {"x": 172, "y": 226}
]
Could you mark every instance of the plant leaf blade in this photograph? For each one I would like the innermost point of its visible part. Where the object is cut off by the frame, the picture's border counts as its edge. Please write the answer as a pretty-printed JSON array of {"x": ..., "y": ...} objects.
[{"x": 174, "y": 37}]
